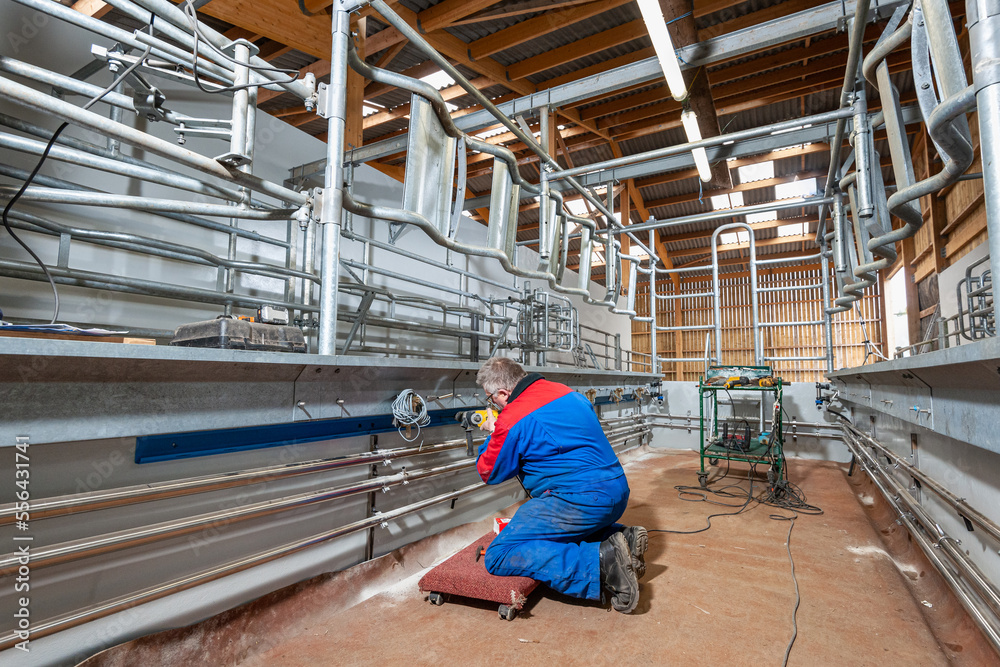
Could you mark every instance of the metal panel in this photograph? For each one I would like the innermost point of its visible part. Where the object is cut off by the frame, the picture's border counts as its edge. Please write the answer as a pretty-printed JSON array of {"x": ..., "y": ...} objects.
[
  {"x": 430, "y": 166},
  {"x": 510, "y": 239},
  {"x": 586, "y": 257},
  {"x": 951, "y": 392},
  {"x": 500, "y": 205}
]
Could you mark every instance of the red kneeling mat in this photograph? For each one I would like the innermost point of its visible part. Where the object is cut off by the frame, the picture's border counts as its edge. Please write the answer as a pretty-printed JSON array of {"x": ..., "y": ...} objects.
[{"x": 463, "y": 574}]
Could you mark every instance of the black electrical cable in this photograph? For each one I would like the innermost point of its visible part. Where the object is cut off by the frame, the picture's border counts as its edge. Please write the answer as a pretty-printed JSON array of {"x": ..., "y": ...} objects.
[
  {"x": 45, "y": 154},
  {"x": 192, "y": 15},
  {"x": 795, "y": 581},
  {"x": 783, "y": 495}
]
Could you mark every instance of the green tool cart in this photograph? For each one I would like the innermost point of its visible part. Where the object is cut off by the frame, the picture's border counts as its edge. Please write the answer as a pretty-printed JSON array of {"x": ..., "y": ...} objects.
[{"x": 739, "y": 438}]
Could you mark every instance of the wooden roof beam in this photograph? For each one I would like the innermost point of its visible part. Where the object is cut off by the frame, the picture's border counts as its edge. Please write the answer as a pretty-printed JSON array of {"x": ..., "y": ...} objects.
[
  {"x": 433, "y": 18},
  {"x": 93, "y": 8}
]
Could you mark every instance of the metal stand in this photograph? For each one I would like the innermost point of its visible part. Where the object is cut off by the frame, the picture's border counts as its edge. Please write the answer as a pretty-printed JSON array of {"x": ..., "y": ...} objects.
[{"x": 715, "y": 446}]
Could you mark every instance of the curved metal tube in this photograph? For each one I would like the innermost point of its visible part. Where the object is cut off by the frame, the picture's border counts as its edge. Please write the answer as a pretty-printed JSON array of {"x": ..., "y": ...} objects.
[
  {"x": 882, "y": 51},
  {"x": 754, "y": 306},
  {"x": 432, "y": 95},
  {"x": 413, "y": 218},
  {"x": 947, "y": 130}
]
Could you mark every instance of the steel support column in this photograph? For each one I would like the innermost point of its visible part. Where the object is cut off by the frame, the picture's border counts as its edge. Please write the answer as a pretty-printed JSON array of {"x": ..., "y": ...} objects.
[
  {"x": 333, "y": 192},
  {"x": 984, "y": 40}
]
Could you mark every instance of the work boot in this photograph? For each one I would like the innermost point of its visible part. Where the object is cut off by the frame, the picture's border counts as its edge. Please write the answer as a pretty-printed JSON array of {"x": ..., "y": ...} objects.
[
  {"x": 638, "y": 542},
  {"x": 617, "y": 575}
]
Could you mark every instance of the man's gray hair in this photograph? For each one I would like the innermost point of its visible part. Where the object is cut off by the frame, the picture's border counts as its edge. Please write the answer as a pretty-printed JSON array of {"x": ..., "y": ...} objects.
[{"x": 499, "y": 373}]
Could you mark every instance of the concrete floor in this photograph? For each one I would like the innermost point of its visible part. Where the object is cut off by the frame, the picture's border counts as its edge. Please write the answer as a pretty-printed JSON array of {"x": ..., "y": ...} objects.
[{"x": 722, "y": 597}]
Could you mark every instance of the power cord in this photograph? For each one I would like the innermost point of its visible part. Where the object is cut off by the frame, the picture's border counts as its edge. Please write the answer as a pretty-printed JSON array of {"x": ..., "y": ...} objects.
[
  {"x": 795, "y": 581},
  {"x": 45, "y": 154},
  {"x": 410, "y": 409},
  {"x": 192, "y": 16},
  {"x": 781, "y": 494}
]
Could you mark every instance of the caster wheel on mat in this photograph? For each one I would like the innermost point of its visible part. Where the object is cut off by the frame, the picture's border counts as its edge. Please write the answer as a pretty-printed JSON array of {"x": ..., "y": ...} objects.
[
  {"x": 436, "y": 599},
  {"x": 703, "y": 480},
  {"x": 713, "y": 462},
  {"x": 507, "y": 613}
]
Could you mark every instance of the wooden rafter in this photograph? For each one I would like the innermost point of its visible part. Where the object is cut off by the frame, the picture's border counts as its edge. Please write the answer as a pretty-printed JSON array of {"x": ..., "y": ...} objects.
[
  {"x": 94, "y": 8},
  {"x": 433, "y": 18}
]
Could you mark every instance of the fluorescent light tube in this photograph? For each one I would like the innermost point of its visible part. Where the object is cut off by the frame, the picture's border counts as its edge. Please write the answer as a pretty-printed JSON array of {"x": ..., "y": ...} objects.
[
  {"x": 664, "y": 47},
  {"x": 690, "y": 121}
]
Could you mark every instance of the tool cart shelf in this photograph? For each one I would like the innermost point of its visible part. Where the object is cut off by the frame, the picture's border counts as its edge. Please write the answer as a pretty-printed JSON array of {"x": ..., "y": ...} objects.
[{"x": 737, "y": 439}]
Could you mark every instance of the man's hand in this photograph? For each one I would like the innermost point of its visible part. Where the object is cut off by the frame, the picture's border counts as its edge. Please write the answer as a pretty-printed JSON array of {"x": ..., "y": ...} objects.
[{"x": 490, "y": 422}]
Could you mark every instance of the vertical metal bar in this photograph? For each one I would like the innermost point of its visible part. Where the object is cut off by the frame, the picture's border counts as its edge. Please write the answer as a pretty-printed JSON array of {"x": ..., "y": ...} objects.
[
  {"x": 309, "y": 259},
  {"x": 370, "y": 509},
  {"x": 984, "y": 38},
  {"x": 546, "y": 218},
  {"x": 545, "y": 329},
  {"x": 114, "y": 144},
  {"x": 654, "y": 360},
  {"x": 241, "y": 98},
  {"x": 716, "y": 306},
  {"x": 827, "y": 317},
  {"x": 333, "y": 193},
  {"x": 862, "y": 158},
  {"x": 755, "y": 303},
  {"x": 238, "y": 146}
]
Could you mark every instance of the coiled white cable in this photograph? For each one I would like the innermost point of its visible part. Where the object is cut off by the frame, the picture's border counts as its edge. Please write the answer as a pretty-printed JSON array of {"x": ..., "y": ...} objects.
[{"x": 410, "y": 409}]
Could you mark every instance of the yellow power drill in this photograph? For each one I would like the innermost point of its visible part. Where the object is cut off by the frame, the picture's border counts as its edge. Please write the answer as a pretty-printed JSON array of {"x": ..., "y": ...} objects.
[{"x": 470, "y": 419}]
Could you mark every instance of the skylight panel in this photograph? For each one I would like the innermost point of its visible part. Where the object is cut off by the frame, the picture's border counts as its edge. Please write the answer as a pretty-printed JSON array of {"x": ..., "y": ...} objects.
[
  {"x": 728, "y": 238},
  {"x": 756, "y": 172},
  {"x": 720, "y": 202},
  {"x": 803, "y": 188},
  {"x": 792, "y": 230},
  {"x": 761, "y": 217},
  {"x": 731, "y": 200},
  {"x": 440, "y": 80},
  {"x": 577, "y": 207}
]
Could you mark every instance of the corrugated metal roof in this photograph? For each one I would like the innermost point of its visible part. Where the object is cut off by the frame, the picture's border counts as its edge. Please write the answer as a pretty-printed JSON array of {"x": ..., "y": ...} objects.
[
  {"x": 569, "y": 34},
  {"x": 735, "y": 11},
  {"x": 637, "y": 44}
]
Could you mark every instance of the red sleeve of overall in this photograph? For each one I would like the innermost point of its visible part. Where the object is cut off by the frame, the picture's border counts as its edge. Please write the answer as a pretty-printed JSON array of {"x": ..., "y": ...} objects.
[{"x": 500, "y": 459}]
